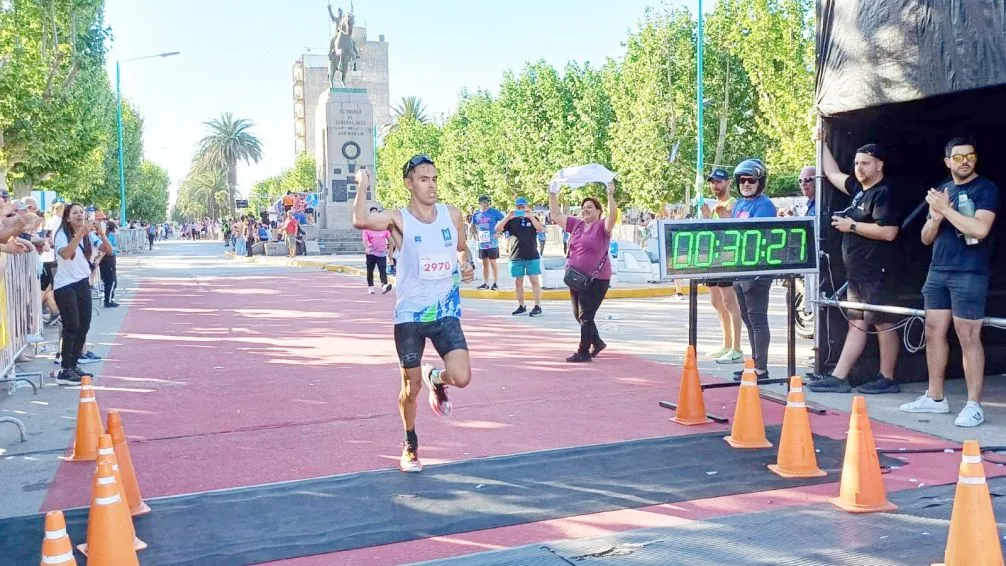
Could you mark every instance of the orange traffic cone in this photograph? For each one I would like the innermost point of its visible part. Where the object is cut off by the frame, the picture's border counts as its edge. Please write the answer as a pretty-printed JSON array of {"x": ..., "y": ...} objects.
[
  {"x": 107, "y": 454},
  {"x": 974, "y": 535},
  {"x": 56, "y": 547},
  {"x": 748, "y": 430},
  {"x": 125, "y": 461},
  {"x": 797, "y": 458},
  {"x": 109, "y": 530},
  {"x": 691, "y": 406},
  {"x": 85, "y": 445},
  {"x": 862, "y": 488}
]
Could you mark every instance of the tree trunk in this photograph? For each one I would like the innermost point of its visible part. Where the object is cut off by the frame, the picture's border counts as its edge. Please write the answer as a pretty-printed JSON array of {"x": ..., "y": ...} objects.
[
  {"x": 721, "y": 142},
  {"x": 232, "y": 186}
]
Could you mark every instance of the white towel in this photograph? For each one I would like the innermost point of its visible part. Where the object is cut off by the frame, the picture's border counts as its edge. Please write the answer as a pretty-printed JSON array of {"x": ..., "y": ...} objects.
[{"x": 579, "y": 176}]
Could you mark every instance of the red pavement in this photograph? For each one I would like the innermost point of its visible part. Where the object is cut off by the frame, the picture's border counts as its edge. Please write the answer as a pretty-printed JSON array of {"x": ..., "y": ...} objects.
[{"x": 235, "y": 381}]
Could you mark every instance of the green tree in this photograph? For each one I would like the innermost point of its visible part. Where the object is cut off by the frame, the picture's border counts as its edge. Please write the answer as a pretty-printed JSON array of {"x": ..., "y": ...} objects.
[
  {"x": 230, "y": 141},
  {"x": 205, "y": 191},
  {"x": 471, "y": 159},
  {"x": 265, "y": 192},
  {"x": 302, "y": 177},
  {"x": 147, "y": 198},
  {"x": 652, "y": 139},
  {"x": 409, "y": 138},
  {"x": 774, "y": 41},
  {"x": 52, "y": 89},
  {"x": 410, "y": 107}
]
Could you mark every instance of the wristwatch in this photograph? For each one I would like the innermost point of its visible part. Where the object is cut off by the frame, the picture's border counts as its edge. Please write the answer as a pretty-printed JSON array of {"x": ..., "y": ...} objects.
[{"x": 852, "y": 228}]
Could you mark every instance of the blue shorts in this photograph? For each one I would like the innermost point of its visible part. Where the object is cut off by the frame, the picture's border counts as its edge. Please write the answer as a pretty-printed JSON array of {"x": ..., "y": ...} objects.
[
  {"x": 962, "y": 292},
  {"x": 522, "y": 267}
]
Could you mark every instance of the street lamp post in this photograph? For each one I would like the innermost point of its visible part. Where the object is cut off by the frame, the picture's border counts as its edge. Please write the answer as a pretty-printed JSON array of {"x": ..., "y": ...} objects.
[
  {"x": 118, "y": 111},
  {"x": 699, "y": 103}
]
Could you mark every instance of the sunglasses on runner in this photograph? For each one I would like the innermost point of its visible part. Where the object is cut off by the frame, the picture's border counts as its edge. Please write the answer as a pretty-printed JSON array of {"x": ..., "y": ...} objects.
[
  {"x": 416, "y": 162},
  {"x": 959, "y": 158},
  {"x": 806, "y": 179}
]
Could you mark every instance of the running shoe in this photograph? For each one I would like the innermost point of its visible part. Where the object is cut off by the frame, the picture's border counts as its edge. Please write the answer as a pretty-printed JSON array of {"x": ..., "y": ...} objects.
[
  {"x": 82, "y": 373},
  {"x": 483, "y": 286},
  {"x": 829, "y": 384},
  {"x": 495, "y": 287},
  {"x": 520, "y": 310},
  {"x": 579, "y": 358},
  {"x": 598, "y": 348},
  {"x": 731, "y": 357},
  {"x": 409, "y": 462},
  {"x": 878, "y": 386},
  {"x": 438, "y": 393},
  {"x": 68, "y": 377},
  {"x": 387, "y": 288},
  {"x": 536, "y": 311},
  {"x": 716, "y": 354}
]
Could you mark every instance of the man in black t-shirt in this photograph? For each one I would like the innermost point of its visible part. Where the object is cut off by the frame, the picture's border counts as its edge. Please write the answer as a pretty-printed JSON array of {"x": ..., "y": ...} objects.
[
  {"x": 869, "y": 226},
  {"x": 961, "y": 213},
  {"x": 524, "y": 228}
]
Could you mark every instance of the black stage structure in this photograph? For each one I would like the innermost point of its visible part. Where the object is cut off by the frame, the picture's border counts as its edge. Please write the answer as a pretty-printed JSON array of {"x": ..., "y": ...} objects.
[{"x": 909, "y": 75}]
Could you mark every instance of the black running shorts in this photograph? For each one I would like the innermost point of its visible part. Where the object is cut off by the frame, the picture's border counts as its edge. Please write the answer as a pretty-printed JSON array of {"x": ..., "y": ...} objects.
[{"x": 410, "y": 339}]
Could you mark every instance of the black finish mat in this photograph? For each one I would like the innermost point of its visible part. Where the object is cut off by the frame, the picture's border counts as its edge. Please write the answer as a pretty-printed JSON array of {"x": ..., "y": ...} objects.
[
  {"x": 286, "y": 520},
  {"x": 819, "y": 535}
]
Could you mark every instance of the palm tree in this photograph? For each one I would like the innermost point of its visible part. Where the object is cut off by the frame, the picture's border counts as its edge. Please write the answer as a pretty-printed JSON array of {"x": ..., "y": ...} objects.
[
  {"x": 410, "y": 107},
  {"x": 229, "y": 141}
]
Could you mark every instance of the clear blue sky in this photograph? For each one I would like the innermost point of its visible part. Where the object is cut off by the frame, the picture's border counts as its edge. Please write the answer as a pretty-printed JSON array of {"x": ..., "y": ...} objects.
[{"x": 237, "y": 56}]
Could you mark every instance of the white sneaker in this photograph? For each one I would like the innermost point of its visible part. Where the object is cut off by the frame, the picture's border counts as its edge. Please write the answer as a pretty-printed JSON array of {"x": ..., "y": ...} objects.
[
  {"x": 925, "y": 404},
  {"x": 370, "y": 291},
  {"x": 971, "y": 415}
]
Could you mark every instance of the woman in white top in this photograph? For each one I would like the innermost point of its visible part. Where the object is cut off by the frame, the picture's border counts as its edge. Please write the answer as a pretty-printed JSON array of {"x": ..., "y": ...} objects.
[{"x": 74, "y": 241}]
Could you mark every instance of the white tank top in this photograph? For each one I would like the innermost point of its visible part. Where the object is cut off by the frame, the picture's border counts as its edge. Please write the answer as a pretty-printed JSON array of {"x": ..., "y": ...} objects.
[{"x": 429, "y": 282}]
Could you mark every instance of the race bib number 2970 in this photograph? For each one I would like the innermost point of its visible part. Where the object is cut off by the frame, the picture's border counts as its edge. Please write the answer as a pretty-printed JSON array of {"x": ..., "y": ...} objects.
[{"x": 435, "y": 268}]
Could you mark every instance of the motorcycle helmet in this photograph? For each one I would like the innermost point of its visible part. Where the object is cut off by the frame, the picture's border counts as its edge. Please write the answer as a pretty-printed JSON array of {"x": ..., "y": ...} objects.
[{"x": 751, "y": 168}]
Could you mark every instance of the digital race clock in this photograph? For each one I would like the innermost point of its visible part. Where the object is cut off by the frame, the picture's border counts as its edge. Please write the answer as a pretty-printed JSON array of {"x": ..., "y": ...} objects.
[{"x": 737, "y": 246}]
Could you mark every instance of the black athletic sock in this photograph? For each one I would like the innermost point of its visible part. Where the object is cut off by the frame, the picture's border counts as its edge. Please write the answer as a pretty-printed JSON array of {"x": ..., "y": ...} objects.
[{"x": 411, "y": 439}]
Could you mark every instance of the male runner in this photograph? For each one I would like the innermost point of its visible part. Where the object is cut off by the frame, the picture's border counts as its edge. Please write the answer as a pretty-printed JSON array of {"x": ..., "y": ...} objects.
[
  {"x": 433, "y": 260},
  {"x": 485, "y": 220}
]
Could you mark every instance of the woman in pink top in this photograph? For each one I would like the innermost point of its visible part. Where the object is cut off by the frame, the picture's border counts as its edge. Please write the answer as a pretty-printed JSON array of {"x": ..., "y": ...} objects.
[
  {"x": 589, "y": 241},
  {"x": 375, "y": 242}
]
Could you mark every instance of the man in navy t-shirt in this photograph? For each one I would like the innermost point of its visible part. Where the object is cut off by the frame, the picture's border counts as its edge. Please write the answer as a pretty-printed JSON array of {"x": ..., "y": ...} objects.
[
  {"x": 485, "y": 221},
  {"x": 961, "y": 213}
]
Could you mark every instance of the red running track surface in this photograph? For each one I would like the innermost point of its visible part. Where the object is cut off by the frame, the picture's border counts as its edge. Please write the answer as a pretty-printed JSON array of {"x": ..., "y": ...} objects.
[{"x": 228, "y": 382}]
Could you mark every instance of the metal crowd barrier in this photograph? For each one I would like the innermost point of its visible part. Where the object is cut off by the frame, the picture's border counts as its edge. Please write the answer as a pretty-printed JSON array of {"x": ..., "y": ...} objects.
[
  {"x": 20, "y": 320},
  {"x": 132, "y": 241}
]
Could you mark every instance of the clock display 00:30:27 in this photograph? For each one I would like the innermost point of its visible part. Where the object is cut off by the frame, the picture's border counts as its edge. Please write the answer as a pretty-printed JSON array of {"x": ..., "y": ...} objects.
[{"x": 772, "y": 247}]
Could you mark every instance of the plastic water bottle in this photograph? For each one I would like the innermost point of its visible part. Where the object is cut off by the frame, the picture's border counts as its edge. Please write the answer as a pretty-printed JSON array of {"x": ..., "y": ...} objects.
[{"x": 966, "y": 207}]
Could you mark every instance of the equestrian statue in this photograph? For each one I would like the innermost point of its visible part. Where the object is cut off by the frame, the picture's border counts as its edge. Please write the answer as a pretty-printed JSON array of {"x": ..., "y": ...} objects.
[{"x": 342, "y": 52}]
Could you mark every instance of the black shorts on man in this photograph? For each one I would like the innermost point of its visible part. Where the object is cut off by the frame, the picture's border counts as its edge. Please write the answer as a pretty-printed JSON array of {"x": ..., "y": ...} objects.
[
  {"x": 410, "y": 339},
  {"x": 489, "y": 253}
]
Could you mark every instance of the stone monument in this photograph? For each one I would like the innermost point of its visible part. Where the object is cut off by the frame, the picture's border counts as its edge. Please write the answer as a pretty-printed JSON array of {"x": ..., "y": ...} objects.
[{"x": 344, "y": 142}]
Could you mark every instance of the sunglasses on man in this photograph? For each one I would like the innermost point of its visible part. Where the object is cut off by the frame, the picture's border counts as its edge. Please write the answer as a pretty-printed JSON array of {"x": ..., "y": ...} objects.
[
  {"x": 806, "y": 180},
  {"x": 959, "y": 158},
  {"x": 416, "y": 162},
  {"x": 747, "y": 181}
]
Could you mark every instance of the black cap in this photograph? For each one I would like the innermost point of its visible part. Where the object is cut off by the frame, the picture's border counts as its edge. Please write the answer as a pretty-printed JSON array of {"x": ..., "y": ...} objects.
[
  {"x": 874, "y": 151},
  {"x": 484, "y": 198}
]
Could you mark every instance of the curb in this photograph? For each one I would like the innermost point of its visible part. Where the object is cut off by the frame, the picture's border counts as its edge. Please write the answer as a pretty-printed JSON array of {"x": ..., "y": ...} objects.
[{"x": 505, "y": 295}]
